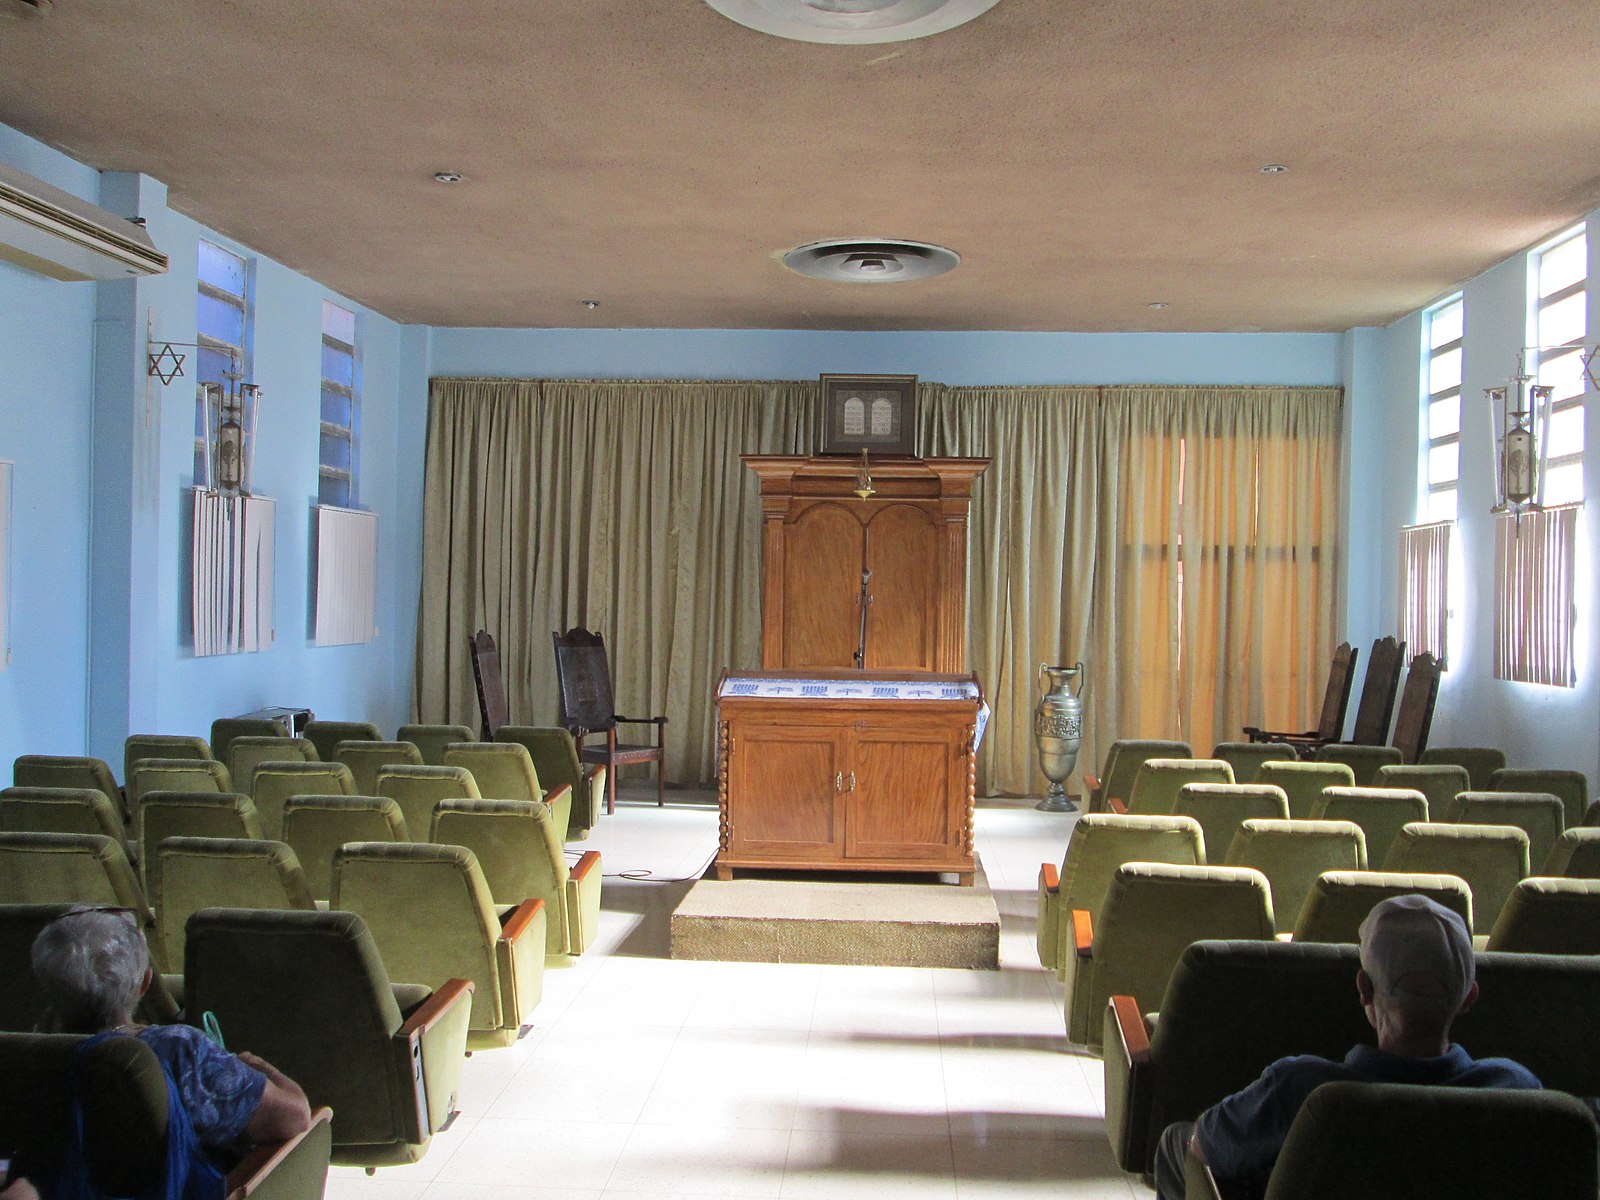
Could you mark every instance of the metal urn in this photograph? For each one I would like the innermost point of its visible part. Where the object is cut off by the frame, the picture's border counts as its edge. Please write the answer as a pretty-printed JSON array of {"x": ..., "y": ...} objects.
[{"x": 1058, "y": 728}]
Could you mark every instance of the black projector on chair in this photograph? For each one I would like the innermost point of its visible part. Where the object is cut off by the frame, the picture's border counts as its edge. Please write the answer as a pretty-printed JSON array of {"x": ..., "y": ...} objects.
[{"x": 291, "y": 720}]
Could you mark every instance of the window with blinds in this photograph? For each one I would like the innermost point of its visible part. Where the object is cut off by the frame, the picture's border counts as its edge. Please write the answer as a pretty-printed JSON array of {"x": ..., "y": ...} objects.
[
  {"x": 1444, "y": 326},
  {"x": 1533, "y": 611},
  {"x": 336, "y": 464},
  {"x": 1561, "y": 322},
  {"x": 222, "y": 330},
  {"x": 1425, "y": 588}
]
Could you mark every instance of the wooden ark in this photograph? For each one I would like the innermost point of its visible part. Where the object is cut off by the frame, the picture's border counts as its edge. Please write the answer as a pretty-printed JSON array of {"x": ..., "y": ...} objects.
[{"x": 817, "y": 539}]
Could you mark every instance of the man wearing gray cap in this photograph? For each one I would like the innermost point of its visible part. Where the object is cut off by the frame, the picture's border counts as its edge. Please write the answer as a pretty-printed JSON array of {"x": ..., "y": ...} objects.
[{"x": 1416, "y": 975}]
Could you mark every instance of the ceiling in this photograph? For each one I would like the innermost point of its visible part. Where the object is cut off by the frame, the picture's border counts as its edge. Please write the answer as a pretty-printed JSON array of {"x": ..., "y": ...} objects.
[{"x": 1086, "y": 158}]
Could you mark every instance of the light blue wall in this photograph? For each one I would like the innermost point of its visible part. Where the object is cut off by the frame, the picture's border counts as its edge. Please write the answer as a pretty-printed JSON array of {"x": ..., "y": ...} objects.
[
  {"x": 105, "y": 458},
  {"x": 46, "y": 350},
  {"x": 1537, "y": 726},
  {"x": 952, "y": 358}
]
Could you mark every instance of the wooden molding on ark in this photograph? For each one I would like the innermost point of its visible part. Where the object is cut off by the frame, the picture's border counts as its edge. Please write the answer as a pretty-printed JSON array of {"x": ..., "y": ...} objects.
[{"x": 808, "y": 506}]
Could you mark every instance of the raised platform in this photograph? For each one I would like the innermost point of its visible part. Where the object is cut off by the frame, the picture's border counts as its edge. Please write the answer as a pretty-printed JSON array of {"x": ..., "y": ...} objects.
[{"x": 856, "y": 923}]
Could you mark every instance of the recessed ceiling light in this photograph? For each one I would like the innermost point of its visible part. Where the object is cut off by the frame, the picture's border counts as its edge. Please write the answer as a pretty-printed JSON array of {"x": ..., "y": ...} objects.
[
  {"x": 1275, "y": 169},
  {"x": 26, "y": 10},
  {"x": 447, "y": 176},
  {"x": 591, "y": 305},
  {"x": 851, "y": 22},
  {"x": 870, "y": 260},
  {"x": 1158, "y": 304}
]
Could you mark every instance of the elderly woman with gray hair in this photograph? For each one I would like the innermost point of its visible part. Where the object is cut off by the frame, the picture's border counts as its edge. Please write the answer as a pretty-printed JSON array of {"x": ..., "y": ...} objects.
[{"x": 93, "y": 966}]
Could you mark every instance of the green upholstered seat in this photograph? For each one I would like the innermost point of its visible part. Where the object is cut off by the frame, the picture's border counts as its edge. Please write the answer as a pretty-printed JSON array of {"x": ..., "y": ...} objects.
[
  {"x": 431, "y": 914},
  {"x": 275, "y": 782},
  {"x": 505, "y": 771},
  {"x": 1152, "y": 911},
  {"x": 308, "y": 992},
  {"x": 432, "y": 739},
  {"x": 1363, "y": 761},
  {"x": 316, "y": 826},
  {"x": 1302, "y": 782},
  {"x": 1230, "y": 1008},
  {"x": 1122, "y": 764},
  {"x": 22, "y": 1002},
  {"x": 203, "y": 872},
  {"x": 73, "y": 868},
  {"x": 173, "y": 775},
  {"x": 124, "y": 1113},
  {"x": 1246, "y": 758},
  {"x": 366, "y": 758},
  {"x": 1550, "y": 916},
  {"x": 1481, "y": 762},
  {"x": 1538, "y": 814},
  {"x": 1493, "y": 859},
  {"x": 1158, "y": 781},
  {"x": 1381, "y": 813},
  {"x": 1392, "y": 1141},
  {"x": 225, "y": 729},
  {"x": 161, "y": 745},
  {"x": 1576, "y": 854},
  {"x": 1440, "y": 783},
  {"x": 1293, "y": 855},
  {"x": 417, "y": 789},
  {"x": 69, "y": 771},
  {"x": 519, "y": 852},
  {"x": 1340, "y": 900},
  {"x": 554, "y": 752},
  {"x": 63, "y": 810},
  {"x": 1221, "y": 808},
  {"x": 247, "y": 753},
  {"x": 326, "y": 735},
  {"x": 191, "y": 814},
  {"x": 1571, "y": 786},
  {"x": 1100, "y": 843}
]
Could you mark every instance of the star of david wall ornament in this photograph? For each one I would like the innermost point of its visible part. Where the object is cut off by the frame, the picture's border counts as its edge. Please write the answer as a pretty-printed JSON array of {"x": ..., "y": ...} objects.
[{"x": 166, "y": 364}]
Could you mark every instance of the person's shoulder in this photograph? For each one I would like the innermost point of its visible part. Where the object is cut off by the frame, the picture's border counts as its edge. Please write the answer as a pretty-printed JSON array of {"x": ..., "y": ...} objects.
[
  {"x": 1499, "y": 1072},
  {"x": 173, "y": 1036}
]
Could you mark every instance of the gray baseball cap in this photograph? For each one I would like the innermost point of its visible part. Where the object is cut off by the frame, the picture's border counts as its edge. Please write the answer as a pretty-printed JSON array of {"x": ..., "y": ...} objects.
[{"x": 1419, "y": 952}]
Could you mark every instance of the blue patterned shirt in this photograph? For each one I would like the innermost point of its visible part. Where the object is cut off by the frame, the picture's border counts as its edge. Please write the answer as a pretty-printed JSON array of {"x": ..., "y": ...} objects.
[{"x": 218, "y": 1091}]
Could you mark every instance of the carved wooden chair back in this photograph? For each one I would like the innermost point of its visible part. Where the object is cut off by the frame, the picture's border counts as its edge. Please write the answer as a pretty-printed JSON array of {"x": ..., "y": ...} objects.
[
  {"x": 1416, "y": 707},
  {"x": 1336, "y": 700},
  {"x": 1378, "y": 692},
  {"x": 491, "y": 685}
]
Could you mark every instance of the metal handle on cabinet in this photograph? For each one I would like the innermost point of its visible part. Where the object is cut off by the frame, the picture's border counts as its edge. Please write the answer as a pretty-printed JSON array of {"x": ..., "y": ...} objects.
[
  {"x": 838, "y": 781},
  {"x": 852, "y": 781}
]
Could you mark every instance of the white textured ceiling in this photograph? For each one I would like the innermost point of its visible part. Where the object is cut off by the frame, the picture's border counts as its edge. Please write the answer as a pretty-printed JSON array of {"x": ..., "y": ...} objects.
[{"x": 1085, "y": 157}]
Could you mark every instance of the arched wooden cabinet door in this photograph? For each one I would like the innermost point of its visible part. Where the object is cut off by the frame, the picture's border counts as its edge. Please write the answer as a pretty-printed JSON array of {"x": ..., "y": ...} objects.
[
  {"x": 903, "y": 552},
  {"x": 823, "y": 572}
]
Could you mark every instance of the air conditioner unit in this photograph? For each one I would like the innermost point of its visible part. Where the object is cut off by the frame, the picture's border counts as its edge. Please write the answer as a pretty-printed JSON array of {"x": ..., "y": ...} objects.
[{"x": 54, "y": 233}]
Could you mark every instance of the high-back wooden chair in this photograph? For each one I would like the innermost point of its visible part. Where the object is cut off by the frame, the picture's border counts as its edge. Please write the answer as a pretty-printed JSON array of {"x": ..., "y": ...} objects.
[
  {"x": 490, "y": 683},
  {"x": 1378, "y": 690},
  {"x": 587, "y": 708},
  {"x": 1416, "y": 707},
  {"x": 1335, "y": 703}
]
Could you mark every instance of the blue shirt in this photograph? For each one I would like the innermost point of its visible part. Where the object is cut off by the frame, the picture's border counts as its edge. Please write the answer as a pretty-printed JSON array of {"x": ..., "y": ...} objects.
[
  {"x": 218, "y": 1091},
  {"x": 1242, "y": 1135}
]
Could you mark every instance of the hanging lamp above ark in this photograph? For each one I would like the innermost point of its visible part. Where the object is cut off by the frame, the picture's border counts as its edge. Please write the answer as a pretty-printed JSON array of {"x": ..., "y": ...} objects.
[
  {"x": 1516, "y": 409},
  {"x": 852, "y": 22}
]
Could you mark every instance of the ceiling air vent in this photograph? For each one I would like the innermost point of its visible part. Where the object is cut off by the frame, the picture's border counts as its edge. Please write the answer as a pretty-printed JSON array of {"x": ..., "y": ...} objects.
[
  {"x": 870, "y": 260},
  {"x": 852, "y": 22}
]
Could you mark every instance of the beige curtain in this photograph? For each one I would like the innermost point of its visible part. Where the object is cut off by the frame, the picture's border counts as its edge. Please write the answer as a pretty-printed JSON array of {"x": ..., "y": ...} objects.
[
  {"x": 1179, "y": 541},
  {"x": 1425, "y": 588}
]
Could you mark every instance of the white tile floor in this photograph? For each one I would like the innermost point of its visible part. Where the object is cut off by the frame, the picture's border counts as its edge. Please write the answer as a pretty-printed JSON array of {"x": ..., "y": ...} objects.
[{"x": 646, "y": 1078}]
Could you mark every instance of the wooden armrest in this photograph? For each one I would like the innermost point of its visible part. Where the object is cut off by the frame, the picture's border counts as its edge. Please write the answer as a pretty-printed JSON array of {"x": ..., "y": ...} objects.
[
  {"x": 554, "y": 794},
  {"x": 1049, "y": 877},
  {"x": 1091, "y": 782},
  {"x": 521, "y": 917},
  {"x": 1117, "y": 805},
  {"x": 434, "y": 1007},
  {"x": 622, "y": 720},
  {"x": 259, "y": 1161},
  {"x": 585, "y": 864},
  {"x": 1135, "y": 1033},
  {"x": 1083, "y": 933}
]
